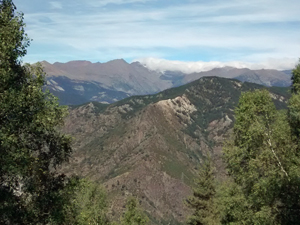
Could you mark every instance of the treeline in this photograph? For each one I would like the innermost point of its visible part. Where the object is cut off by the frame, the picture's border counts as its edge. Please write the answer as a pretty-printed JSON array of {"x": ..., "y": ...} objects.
[{"x": 263, "y": 164}]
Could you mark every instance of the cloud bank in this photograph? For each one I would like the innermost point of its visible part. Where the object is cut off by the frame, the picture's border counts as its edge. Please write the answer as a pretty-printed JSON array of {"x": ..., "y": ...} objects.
[{"x": 162, "y": 65}]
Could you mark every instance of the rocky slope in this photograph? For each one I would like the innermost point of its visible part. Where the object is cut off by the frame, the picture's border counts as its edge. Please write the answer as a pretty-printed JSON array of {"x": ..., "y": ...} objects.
[
  {"x": 76, "y": 92},
  {"x": 78, "y": 82},
  {"x": 117, "y": 75},
  {"x": 151, "y": 146}
]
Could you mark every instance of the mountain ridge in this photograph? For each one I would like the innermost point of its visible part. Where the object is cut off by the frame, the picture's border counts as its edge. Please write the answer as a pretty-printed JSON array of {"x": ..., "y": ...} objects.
[
  {"x": 150, "y": 146},
  {"x": 116, "y": 79}
]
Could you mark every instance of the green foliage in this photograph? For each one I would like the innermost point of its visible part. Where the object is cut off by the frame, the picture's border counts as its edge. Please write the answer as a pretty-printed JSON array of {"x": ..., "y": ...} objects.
[
  {"x": 87, "y": 204},
  {"x": 294, "y": 114},
  {"x": 263, "y": 161},
  {"x": 30, "y": 142},
  {"x": 203, "y": 199},
  {"x": 296, "y": 79},
  {"x": 232, "y": 204},
  {"x": 133, "y": 215},
  {"x": 294, "y": 103}
]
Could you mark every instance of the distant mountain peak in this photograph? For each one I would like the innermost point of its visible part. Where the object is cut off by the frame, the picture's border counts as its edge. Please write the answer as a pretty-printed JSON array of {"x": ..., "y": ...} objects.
[
  {"x": 119, "y": 61},
  {"x": 45, "y": 62},
  {"x": 77, "y": 63}
]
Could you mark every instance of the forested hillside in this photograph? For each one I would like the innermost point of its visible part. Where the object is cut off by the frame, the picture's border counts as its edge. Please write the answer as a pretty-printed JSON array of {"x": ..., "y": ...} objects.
[{"x": 152, "y": 146}]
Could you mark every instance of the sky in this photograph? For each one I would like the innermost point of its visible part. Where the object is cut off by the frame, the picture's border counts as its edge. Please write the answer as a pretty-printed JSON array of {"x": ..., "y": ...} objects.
[{"x": 186, "y": 35}]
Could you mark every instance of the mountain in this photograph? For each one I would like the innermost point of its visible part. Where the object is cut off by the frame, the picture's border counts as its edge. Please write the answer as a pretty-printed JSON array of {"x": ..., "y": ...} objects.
[
  {"x": 76, "y": 92},
  {"x": 264, "y": 77},
  {"x": 114, "y": 80},
  {"x": 116, "y": 75},
  {"x": 151, "y": 146}
]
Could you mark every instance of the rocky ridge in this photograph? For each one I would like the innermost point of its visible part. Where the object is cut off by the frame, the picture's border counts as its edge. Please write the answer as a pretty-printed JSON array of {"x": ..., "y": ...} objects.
[{"x": 151, "y": 146}]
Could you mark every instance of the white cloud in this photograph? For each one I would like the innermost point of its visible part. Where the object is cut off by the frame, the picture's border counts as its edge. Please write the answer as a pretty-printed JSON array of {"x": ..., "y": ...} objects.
[
  {"x": 111, "y": 29},
  {"x": 194, "y": 67}
]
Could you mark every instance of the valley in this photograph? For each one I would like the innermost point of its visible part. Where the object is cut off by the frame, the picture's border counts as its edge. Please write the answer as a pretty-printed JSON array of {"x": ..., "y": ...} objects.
[{"x": 152, "y": 146}]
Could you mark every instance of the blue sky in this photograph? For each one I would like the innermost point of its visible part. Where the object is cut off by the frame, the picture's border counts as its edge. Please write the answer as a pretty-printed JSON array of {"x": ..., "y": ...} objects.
[{"x": 190, "y": 33}]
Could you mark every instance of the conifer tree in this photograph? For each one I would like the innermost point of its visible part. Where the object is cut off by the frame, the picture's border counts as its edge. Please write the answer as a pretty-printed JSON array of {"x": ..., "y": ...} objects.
[
  {"x": 203, "y": 199},
  {"x": 31, "y": 145}
]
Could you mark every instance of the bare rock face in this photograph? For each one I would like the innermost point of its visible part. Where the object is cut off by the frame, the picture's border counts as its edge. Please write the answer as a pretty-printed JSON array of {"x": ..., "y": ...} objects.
[
  {"x": 151, "y": 146},
  {"x": 180, "y": 106}
]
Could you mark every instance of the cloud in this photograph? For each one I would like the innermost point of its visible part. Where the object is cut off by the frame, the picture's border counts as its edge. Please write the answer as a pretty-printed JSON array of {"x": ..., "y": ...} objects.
[
  {"x": 56, "y": 5},
  {"x": 237, "y": 30},
  {"x": 116, "y": 2},
  {"x": 162, "y": 65}
]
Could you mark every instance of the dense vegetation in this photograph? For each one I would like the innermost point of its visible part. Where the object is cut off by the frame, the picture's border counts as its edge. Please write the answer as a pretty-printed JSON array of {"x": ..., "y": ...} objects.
[
  {"x": 31, "y": 191},
  {"x": 263, "y": 164}
]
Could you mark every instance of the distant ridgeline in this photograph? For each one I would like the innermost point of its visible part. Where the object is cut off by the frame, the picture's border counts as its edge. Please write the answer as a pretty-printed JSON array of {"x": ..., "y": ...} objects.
[{"x": 78, "y": 82}]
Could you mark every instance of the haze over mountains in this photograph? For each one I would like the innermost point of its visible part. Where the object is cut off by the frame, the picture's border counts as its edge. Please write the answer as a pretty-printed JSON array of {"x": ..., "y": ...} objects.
[{"x": 77, "y": 82}]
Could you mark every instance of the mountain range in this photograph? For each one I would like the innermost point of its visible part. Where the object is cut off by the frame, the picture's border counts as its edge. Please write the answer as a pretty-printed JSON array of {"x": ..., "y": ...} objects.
[
  {"x": 151, "y": 146},
  {"x": 78, "y": 82}
]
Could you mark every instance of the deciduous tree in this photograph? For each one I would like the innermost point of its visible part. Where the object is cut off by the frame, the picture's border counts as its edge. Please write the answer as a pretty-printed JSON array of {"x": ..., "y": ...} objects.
[
  {"x": 133, "y": 215},
  {"x": 31, "y": 145},
  {"x": 263, "y": 161},
  {"x": 87, "y": 203}
]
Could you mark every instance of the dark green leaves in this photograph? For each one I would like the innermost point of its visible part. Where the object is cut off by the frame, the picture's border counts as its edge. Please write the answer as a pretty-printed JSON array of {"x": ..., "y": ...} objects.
[
  {"x": 31, "y": 145},
  {"x": 263, "y": 161}
]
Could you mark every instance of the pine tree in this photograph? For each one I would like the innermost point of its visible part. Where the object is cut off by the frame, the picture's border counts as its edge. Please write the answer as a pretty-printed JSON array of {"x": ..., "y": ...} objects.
[
  {"x": 31, "y": 145},
  {"x": 203, "y": 199}
]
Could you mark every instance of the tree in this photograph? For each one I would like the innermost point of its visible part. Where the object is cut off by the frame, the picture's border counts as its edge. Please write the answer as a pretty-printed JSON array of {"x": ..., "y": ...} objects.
[
  {"x": 31, "y": 145},
  {"x": 232, "y": 205},
  {"x": 296, "y": 79},
  {"x": 133, "y": 215},
  {"x": 88, "y": 203},
  {"x": 263, "y": 161},
  {"x": 203, "y": 199},
  {"x": 294, "y": 104}
]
